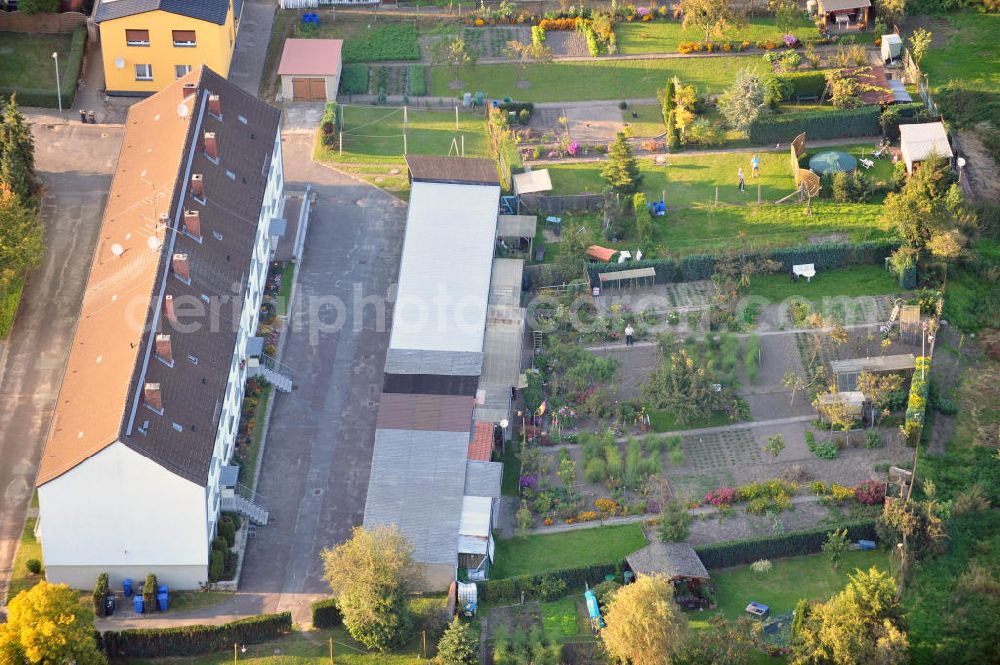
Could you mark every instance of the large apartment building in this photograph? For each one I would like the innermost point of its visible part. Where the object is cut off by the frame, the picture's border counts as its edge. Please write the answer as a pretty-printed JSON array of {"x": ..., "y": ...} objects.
[{"x": 146, "y": 419}]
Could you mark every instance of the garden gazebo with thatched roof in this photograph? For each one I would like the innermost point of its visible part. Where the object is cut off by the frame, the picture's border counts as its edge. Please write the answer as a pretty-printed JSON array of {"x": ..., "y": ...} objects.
[{"x": 681, "y": 566}]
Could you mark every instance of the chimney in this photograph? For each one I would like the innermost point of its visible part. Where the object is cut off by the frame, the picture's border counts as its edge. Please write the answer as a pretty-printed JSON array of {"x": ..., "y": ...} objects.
[
  {"x": 180, "y": 264},
  {"x": 163, "y": 220},
  {"x": 211, "y": 147},
  {"x": 163, "y": 349},
  {"x": 151, "y": 396},
  {"x": 197, "y": 186},
  {"x": 192, "y": 223},
  {"x": 214, "y": 106},
  {"x": 188, "y": 90},
  {"x": 168, "y": 307}
]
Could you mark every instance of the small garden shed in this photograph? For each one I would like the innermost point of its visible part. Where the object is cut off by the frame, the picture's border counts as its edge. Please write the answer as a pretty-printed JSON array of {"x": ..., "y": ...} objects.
[
  {"x": 918, "y": 142},
  {"x": 310, "y": 69},
  {"x": 680, "y": 565}
]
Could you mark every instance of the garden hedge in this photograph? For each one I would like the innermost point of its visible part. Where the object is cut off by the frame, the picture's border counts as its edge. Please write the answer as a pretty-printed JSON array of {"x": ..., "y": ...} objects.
[
  {"x": 784, "y": 127},
  {"x": 509, "y": 589},
  {"x": 801, "y": 84},
  {"x": 741, "y": 552},
  {"x": 826, "y": 256},
  {"x": 46, "y": 97},
  {"x": 325, "y": 614},
  {"x": 354, "y": 79},
  {"x": 902, "y": 114},
  {"x": 193, "y": 640}
]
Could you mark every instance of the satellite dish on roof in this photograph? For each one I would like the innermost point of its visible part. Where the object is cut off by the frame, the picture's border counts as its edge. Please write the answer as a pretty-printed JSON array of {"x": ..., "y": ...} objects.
[
  {"x": 153, "y": 243},
  {"x": 182, "y": 110},
  {"x": 120, "y": 63},
  {"x": 117, "y": 249}
]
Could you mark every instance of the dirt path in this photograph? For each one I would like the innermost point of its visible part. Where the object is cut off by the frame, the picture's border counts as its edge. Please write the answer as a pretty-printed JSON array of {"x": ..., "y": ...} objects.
[{"x": 980, "y": 167}]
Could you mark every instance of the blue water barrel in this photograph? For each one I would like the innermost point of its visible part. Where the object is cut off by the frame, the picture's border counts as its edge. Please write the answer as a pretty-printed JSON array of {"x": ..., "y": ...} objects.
[
  {"x": 162, "y": 601},
  {"x": 127, "y": 587},
  {"x": 161, "y": 588},
  {"x": 137, "y": 604}
]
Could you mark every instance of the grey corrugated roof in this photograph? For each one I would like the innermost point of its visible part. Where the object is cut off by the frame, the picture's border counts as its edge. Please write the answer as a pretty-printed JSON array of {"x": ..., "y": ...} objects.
[
  {"x": 430, "y": 384},
  {"x": 669, "y": 559},
  {"x": 419, "y": 361},
  {"x": 418, "y": 483},
  {"x": 505, "y": 282},
  {"x": 501, "y": 355},
  {"x": 213, "y": 11},
  {"x": 879, "y": 364},
  {"x": 483, "y": 478}
]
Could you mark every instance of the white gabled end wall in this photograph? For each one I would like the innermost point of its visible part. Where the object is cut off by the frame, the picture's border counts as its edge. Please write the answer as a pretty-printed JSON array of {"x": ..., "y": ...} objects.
[{"x": 122, "y": 513}]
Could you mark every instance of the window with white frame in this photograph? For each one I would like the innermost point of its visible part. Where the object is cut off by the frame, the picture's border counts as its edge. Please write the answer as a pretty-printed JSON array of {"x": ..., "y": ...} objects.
[
  {"x": 185, "y": 38},
  {"x": 144, "y": 72},
  {"x": 181, "y": 70}
]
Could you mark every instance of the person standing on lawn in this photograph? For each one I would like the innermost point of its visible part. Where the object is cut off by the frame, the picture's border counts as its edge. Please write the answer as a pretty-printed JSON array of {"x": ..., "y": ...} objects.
[
  {"x": 743, "y": 184},
  {"x": 629, "y": 332},
  {"x": 755, "y": 166}
]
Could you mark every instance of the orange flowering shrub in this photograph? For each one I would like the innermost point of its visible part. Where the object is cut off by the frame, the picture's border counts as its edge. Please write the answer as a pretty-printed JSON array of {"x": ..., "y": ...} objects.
[
  {"x": 548, "y": 24},
  {"x": 548, "y": 521},
  {"x": 608, "y": 506},
  {"x": 586, "y": 516}
]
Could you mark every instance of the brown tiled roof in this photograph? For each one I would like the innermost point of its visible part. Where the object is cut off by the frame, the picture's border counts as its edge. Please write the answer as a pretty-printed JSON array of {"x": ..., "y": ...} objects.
[
  {"x": 436, "y": 413},
  {"x": 112, "y": 357},
  {"x": 481, "y": 446},
  {"x": 462, "y": 170}
]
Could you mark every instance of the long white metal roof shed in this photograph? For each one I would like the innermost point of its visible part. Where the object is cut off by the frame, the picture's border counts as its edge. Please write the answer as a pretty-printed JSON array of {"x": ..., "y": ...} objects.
[{"x": 439, "y": 315}]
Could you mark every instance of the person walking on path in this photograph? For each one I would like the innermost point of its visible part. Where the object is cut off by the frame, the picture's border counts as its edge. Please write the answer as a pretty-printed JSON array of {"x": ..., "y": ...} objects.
[
  {"x": 743, "y": 184},
  {"x": 755, "y": 166},
  {"x": 629, "y": 332}
]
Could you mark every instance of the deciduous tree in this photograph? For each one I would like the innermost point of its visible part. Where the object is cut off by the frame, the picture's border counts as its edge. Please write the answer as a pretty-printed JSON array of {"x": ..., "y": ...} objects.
[
  {"x": 370, "y": 576},
  {"x": 675, "y": 522},
  {"x": 644, "y": 625},
  {"x": 715, "y": 17},
  {"x": 683, "y": 387},
  {"x": 920, "y": 43},
  {"x": 48, "y": 624}
]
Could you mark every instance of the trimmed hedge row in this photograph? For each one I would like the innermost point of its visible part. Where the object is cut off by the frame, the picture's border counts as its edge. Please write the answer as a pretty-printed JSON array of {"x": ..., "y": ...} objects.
[
  {"x": 740, "y": 552},
  {"x": 354, "y": 79},
  {"x": 826, "y": 256},
  {"x": 46, "y": 97},
  {"x": 326, "y": 614},
  {"x": 509, "y": 589},
  {"x": 193, "y": 640},
  {"x": 796, "y": 84},
  {"x": 902, "y": 114},
  {"x": 783, "y": 128}
]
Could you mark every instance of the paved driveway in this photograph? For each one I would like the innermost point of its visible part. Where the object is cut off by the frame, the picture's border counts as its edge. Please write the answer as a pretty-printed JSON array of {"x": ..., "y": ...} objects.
[
  {"x": 319, "y": 445},
  {"x": 251, "y": 44},
  {"x": 75, "y": 163}
]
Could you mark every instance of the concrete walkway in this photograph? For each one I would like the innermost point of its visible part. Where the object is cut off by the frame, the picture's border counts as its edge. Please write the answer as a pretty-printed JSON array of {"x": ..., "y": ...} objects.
[
  {"x": 254, "y": 34},
  {"x": 75, "y": 163}
]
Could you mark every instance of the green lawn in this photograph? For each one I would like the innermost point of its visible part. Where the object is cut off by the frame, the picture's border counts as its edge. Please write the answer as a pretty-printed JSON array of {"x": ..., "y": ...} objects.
[
  {"x": 568, "y": 549},
  {"x": 511, "y": 470},
  {"x": 850, "y": 282},
  {"x": 810, "y": 577},
  {"x": 971, "y": 60},
  {"x": 27, "y": 59},
  {"x": 666, "y": 421},
  {"x": 591, "y": 80},
  {"x": 285, "y": 292},
  {"x": 560, "y": 619},
  {"x": 28, "y": 548},
  {"x": 648, "y": 124},
  {"x": 665, "y": 36}
]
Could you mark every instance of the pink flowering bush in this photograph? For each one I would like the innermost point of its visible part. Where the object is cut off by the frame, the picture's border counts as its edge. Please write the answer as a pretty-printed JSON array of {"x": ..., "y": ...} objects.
[
  {"x": 642, "y": 11},
  {"x": 790, "y": 40},
  {"x": 723, "y": 496},
  {"x": 870, "y": 493},
  {"x": 573, "y": 148}
]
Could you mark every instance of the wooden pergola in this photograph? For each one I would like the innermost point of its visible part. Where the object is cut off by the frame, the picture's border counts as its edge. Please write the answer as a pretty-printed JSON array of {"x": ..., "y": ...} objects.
[{"x": 633, "y": 277}]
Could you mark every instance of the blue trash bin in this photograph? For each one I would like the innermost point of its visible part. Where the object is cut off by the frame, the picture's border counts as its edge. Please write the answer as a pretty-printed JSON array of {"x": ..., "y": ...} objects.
[
  {"x": 162, "y": 588},
  {"x": 162, "y": 601},
  {"x": 137, "y": 604},
  {"x": 127, "y": 587}
]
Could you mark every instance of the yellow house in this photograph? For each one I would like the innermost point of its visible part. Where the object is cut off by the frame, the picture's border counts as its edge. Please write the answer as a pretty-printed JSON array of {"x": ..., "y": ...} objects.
[{"x": 148, "y": 44}]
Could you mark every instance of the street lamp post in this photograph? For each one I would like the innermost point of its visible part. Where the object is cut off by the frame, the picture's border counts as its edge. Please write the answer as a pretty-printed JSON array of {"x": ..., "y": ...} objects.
[{"x": 55, "y": 59}]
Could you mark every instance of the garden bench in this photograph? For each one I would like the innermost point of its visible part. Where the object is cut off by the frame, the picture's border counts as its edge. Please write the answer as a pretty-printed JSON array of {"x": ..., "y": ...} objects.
[
  {"x": 807, "y": 98},
  {"x": 807, "y": 270}
]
